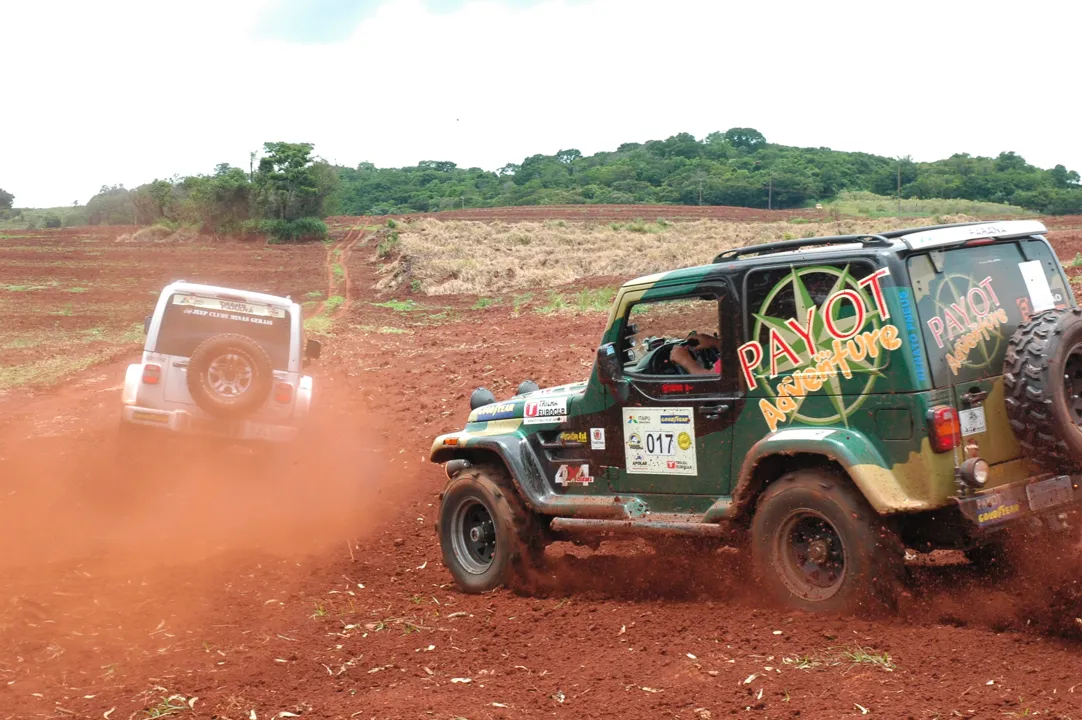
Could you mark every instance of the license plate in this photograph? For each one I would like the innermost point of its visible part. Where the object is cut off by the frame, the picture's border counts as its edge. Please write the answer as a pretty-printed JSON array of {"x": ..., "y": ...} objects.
[
  {"x": 972, "y": 421},
  {"x": 1049, "y": 493}
]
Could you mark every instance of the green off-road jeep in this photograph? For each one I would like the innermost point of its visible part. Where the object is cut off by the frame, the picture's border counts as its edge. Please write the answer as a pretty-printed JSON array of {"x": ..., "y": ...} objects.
[{"x": 829, "y": 401}]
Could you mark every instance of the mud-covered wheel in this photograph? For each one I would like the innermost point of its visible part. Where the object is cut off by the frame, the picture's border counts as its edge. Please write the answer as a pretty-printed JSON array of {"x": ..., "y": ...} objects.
[
  {"x": 1042, "y": 379},
  {"x": 817, "y": 545},
  {"x": 488, "y": 536},
  {"x": 230, "y": 375}
]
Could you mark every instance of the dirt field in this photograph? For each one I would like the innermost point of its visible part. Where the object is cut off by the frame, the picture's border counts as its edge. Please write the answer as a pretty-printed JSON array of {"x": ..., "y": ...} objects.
[{"x": 200, "y": 586}]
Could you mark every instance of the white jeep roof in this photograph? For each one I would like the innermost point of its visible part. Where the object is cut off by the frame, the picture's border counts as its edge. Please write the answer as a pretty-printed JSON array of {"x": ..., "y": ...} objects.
[{"x": 215, "y": 291}]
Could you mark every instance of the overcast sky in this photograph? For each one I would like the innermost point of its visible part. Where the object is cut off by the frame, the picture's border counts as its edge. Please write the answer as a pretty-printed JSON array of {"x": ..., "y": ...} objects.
[{"x": 126, "y": 91}]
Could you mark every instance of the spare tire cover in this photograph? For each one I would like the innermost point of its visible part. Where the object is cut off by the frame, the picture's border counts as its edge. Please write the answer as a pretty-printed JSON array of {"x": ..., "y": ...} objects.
[
  {"x": 1042, "y": 379},
  {"x": 230, "y": 375}
]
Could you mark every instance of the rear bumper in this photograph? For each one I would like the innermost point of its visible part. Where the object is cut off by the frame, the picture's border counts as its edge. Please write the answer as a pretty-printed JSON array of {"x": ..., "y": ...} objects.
[
  {"x": 182, "y": 422},
  {"x": 1006, "y": 505}
]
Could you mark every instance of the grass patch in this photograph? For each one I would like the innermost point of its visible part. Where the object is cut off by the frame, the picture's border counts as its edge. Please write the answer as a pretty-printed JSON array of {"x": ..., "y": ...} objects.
[
  {"x": 333, "y": 303},
  {"x": 314, "y": 294},
  {"x": 585, "y": 301},
  {"x": 480, "y": 259},
  {"x": 520, "y": 301},
  {"x": 398, "y": 305},
  {"x": 837, "y": 657},
  {"x": 48, "y": 371},
  {"x": 28, "y": 288},
  {"x": 317, "y": 325},
  {"x": 76, "y": 290},
  {"x": 866, "y": 204},
  {"x": 383, "y": 330},
  {"x": 485, "y": 302},
  {"x": 555, "y": 303},
  {"x": 338, "y": 270}
]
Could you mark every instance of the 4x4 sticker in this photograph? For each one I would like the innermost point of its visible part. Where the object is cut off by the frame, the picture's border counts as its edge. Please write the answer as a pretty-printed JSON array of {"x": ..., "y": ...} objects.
[
  {"x": 568, "y": 474},
  {"x": 659, "y": 441},
  {"x": 821, "y": 347}
]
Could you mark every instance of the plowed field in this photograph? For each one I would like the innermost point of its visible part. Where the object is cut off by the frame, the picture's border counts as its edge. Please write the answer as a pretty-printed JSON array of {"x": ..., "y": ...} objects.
[{"x": 158, "y": 584}]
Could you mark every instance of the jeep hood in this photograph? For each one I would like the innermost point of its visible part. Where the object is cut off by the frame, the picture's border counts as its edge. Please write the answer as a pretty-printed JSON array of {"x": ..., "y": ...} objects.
[{"x": 545, "y": 405}]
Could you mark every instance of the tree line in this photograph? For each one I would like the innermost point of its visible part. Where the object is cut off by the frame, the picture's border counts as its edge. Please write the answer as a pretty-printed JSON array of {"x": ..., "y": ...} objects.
[{"x": 289, "y": 189}]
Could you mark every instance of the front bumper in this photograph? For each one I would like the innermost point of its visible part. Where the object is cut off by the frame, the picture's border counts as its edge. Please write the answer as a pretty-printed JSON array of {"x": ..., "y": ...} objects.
[
  {"x": 182, "y": 422},
  {"x": 1034, "y": 497}
]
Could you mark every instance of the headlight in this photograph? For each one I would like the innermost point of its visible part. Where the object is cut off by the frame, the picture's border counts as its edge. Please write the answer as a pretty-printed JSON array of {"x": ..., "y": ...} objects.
[{"x": 975, "y": 472}]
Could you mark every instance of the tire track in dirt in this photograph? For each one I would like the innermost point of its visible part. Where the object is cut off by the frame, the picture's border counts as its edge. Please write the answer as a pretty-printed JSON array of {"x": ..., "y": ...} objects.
[
  {"x": 343, "y": 261},
  {"x": 334, "y": 255}
]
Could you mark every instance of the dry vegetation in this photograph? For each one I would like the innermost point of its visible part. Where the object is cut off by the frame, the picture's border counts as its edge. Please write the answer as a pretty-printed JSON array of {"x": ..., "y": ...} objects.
[{"x": 448, "y": 258}]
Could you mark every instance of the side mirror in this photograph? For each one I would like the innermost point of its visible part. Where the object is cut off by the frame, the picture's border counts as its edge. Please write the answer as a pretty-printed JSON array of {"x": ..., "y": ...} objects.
[
  {"x": 146, "y": 324},
  {"x": 313, "y": 349},
  {"x": 611, "y": 371}
]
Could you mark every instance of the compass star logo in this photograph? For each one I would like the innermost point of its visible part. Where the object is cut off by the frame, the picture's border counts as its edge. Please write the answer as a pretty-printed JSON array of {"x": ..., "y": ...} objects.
[{"x": 830, "y": 325}]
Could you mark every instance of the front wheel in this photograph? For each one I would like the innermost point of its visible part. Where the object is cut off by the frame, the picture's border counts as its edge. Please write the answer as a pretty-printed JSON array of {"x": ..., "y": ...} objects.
[
  {"x": 487, "y": 535},
  {"x": 818, "y": 546}
]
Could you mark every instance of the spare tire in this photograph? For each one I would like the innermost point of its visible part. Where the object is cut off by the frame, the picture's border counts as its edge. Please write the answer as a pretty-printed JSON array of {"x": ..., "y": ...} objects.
[
  {"x": 1042, "y": 380},
  {"x": 230, "y": 375}
]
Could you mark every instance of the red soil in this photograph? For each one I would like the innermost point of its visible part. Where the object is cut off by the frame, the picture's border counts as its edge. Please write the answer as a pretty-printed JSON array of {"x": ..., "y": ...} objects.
[{"x": 314, "y": 587}]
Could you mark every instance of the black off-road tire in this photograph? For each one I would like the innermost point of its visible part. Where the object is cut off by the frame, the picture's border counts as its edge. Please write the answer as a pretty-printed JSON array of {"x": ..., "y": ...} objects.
[
  {"x": 1043, "y": 415},
  {"x": 237, "y": 406},
  {"x": 863, "y": 561},
  {"x": 519, "y": 534}
]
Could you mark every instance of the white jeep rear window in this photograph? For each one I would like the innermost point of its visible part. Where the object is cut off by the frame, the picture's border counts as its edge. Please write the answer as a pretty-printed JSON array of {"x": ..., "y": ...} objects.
[{"x": 190, "y": 319}]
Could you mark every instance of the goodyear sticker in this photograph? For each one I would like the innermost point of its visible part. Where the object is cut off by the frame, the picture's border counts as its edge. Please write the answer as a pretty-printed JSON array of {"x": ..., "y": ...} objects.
[{"x": 500, "y": 411}]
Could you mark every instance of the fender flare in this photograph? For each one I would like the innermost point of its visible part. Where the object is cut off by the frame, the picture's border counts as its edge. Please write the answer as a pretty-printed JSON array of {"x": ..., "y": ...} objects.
[
  {"x": 133, "y": 377},
  {"x": 850, "y": 449},
  {"x": 512, "y": 449}
]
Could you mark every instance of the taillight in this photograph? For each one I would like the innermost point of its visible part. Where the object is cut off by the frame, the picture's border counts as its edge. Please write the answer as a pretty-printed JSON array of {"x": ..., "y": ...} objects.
[
  {"x": 152, "y": 374},
  {"x": 283, "y": 392},
  {"x": 944, "y": 431}
]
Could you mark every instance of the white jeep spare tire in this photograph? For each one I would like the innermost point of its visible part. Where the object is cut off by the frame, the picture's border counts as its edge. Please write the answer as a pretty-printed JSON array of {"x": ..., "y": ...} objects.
[{"x": 230, "y": 375}]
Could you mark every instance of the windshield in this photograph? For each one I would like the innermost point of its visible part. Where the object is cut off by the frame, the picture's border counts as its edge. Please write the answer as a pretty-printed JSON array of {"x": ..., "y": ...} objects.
[
  {"x": 971, "y": 300},
  {"x": 190, "y": 319}
]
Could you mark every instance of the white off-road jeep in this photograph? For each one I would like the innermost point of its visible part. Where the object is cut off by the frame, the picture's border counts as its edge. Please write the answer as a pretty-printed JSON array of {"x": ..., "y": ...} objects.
[{"x": 221, "y": 362}]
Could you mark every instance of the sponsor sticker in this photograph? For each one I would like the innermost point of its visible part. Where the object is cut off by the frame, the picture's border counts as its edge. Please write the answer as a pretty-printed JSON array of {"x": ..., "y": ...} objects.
[
  {"x": 544, "y": 420},
  {"x": 501, "y": 411},
  {"x": 546, "y": 407},
  {"x": 233, "y": 306},
  {"x": 573, "y": 474},
  {"x": 150, "y": 417},
  {"x": 573, "y": 436},
  {"x": 659, "y": 441},
  {"x": 1037, "y": 283},
  {"x": 597, "y": 438}
]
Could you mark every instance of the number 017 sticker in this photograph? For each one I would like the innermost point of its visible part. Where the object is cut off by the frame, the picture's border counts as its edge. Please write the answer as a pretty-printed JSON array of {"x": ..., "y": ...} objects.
[{"x": 660, "y": 441}]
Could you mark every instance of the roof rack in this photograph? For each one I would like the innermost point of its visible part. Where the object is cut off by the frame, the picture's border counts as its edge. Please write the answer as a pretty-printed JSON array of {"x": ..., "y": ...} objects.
[{"x": 790, "y": 245}]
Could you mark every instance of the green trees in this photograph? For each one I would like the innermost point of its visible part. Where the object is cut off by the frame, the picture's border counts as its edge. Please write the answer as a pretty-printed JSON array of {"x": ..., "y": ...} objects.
[
  {"x": 285, "y": 197},
  {"x": 288, "y": 184},
  {"x": 7, "y": 200}
]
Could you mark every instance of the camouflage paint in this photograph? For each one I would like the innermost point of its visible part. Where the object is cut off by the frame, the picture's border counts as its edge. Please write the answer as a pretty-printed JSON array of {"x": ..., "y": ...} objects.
[{"x": 872, "y": 421}]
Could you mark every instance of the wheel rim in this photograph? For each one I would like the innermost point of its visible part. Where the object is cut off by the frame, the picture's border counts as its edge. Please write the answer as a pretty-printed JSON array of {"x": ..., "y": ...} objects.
[
  {"x": 230, "y": 375},
  {"x": 1072, "y": 383},
  {"x": 810, "y": 555},
  {"x": 473, "y": 536}
]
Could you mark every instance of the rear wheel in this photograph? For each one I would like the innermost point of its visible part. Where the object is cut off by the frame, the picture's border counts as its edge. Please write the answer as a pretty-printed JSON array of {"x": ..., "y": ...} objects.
[
  {"x": 1042, "y": 379},
  {"x": 230, "y": 375},
  {"x": 487, "y": 535},
  {"x": 818, "y": 546}
]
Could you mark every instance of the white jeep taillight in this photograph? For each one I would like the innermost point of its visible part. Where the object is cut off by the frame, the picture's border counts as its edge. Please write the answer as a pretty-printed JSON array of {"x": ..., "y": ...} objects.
[
  {"x": 152, "y": 374},
  {"x": 944, "y": 429},
  {"x": 283, "y": 392}
]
